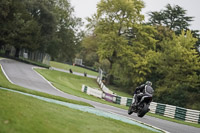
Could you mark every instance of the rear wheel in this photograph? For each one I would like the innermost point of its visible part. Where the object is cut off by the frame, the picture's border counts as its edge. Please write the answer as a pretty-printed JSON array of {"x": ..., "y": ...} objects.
[{"x": 143, "y": 110}]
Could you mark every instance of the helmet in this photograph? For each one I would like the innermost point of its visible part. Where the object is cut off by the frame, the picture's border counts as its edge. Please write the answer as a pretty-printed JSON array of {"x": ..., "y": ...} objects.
[{"x": 148, "y": 83}]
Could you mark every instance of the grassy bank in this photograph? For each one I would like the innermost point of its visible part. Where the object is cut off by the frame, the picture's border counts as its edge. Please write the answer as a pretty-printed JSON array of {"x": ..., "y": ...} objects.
[
  {"x": 74, "y": 68},
  {"x": 72, "y": 84},
  {"x": 119, "y": 91},
  {"x": 22, "y": 114}
]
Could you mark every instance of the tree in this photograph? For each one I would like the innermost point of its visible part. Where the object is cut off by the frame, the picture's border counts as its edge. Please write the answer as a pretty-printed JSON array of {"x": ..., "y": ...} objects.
[
  {"x": 113, "y": 19},
  {"x": 175, "y": 19},
  {"x": 179, "y": 66},
  {"x": 67, "y": 36},
  {"x": 89, "y": 49},
  {"x": 45, "y": 25},
  {"x": 172, "y": 17},
  {"x": 4, "y": 12},
  {"x": 18, "y": 27},
  {"x": 133, "y": 65}
]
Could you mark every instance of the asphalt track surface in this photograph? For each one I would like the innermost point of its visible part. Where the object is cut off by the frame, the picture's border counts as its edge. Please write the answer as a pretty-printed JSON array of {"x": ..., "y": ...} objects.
[{"x": 23, "y": 75}]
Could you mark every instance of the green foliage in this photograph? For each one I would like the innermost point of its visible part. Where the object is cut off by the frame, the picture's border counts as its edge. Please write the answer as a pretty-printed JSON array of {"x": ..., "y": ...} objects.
[
  {"x": 114, "y": 25},
  {"x": 89, "y": 50},
  {"x": 178, "y": 70},
  {"x": 172, "y": 17},
  {"x": 46, "y": 25}
]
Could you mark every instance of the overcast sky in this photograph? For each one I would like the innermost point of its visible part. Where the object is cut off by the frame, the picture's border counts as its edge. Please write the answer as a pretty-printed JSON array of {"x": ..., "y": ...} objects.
[{"x": 85, "y": 8}]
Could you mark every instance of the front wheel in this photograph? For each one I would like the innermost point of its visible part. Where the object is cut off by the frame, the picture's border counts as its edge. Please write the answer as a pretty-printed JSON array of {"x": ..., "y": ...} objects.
[
  {"x": 130, "y": 110},
  {"x": 143, "y": 110}
]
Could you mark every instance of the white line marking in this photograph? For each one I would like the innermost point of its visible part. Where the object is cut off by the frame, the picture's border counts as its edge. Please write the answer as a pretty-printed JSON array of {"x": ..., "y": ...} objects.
[
  {"x": 138, "y": 121},
  {"x": 6, "y": 75},
  {"x": 46, "y": 79}
]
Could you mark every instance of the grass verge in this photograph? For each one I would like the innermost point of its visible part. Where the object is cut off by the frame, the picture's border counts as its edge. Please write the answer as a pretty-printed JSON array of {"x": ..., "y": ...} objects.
[
  {"x": 6, "y": 84},
  {"x": 22, "y": 114},
  {"x": 72, "y": 84},
  {"x": 74, "y": 68},
  {"x": 119, "y": 91}
]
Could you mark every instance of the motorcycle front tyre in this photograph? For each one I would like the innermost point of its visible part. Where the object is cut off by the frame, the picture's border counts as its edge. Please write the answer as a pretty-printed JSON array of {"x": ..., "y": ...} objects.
[
  {"x": 144, "y": 110},
  {"x": 130, "y": 110}
]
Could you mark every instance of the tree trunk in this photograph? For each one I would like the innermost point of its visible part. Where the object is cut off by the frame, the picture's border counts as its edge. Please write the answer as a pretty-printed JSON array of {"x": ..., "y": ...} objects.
[
  {"x": 110, "y": 76},
  {"x": 110, "y": 79},
  {"x": 17, "y": 52}
]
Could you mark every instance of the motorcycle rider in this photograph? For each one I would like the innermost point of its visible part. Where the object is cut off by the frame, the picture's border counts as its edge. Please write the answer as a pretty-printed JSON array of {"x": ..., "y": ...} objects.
[{"x": 144, "y": 89}]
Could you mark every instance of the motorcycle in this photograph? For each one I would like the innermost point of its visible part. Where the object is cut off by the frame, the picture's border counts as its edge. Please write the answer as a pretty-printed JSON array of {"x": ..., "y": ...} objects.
[{"x": 142, "y": 107}]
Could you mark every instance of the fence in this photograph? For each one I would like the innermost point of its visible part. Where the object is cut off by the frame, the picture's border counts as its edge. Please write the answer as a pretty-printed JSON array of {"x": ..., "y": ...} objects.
[
  {"x": 166, "y": 110},
  {"x": 176, "y": 112},
  {"x": 26, "y": 54},
  {"x": 35, "y": 56}
]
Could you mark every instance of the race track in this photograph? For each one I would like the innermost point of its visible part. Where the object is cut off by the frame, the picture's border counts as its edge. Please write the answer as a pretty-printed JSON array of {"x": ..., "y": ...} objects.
[{"x": 23, "y": 75}]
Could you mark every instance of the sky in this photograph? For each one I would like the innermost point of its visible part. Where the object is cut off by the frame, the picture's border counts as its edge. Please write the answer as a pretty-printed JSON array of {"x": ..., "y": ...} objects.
[{"x": 86, "y": 8}]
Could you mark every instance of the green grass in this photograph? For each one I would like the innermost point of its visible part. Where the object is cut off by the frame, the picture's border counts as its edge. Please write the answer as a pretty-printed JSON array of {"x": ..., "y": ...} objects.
[
  {"x": 22, "y": 114},
  {"x": 119, "y": 91},
  {"x": 72, "y": 84},
  {"x": 6, "y": 84},
  {"x": 174, "y": 120},
  {"x": 74, "y": 68},
  {"x": 82, "y": 70}
]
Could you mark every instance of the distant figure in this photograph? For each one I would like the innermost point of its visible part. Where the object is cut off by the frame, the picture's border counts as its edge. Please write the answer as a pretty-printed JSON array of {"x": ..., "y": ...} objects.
[
  {"x": 85, "y": 74},
  {"x": 70, "y": 70}
]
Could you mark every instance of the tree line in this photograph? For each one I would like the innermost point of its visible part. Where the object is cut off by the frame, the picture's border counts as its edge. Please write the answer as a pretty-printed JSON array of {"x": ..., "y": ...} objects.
[
  {"x": 40, "y": 25},
  {"x": 163, "y": 50}
]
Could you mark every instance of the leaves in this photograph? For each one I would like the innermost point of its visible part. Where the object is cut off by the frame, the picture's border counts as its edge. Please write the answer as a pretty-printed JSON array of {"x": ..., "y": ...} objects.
[
  {"x": 45, "y": 25},
  {"x": 172, "y": 17}
]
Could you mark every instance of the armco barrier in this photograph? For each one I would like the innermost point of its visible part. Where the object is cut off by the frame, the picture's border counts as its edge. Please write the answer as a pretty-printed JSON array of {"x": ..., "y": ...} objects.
[
  {"x": 170, "y": 111},
  {"x": 123, "y": 101},
  {"x": 91, "y": 91},
  {"x": 199, "y": 119},
  {"x": 108, "y": 97},
  {"x": 129, "y": 101},
  {"x": 152, "y": 107},
  {"x": 160, "y": 109},
  {"x": 103, "y": 87},
  {"x": 191, "y": 116},
  {"x": 180, "y": 113},
  {"x": 118, "y": 100}
]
